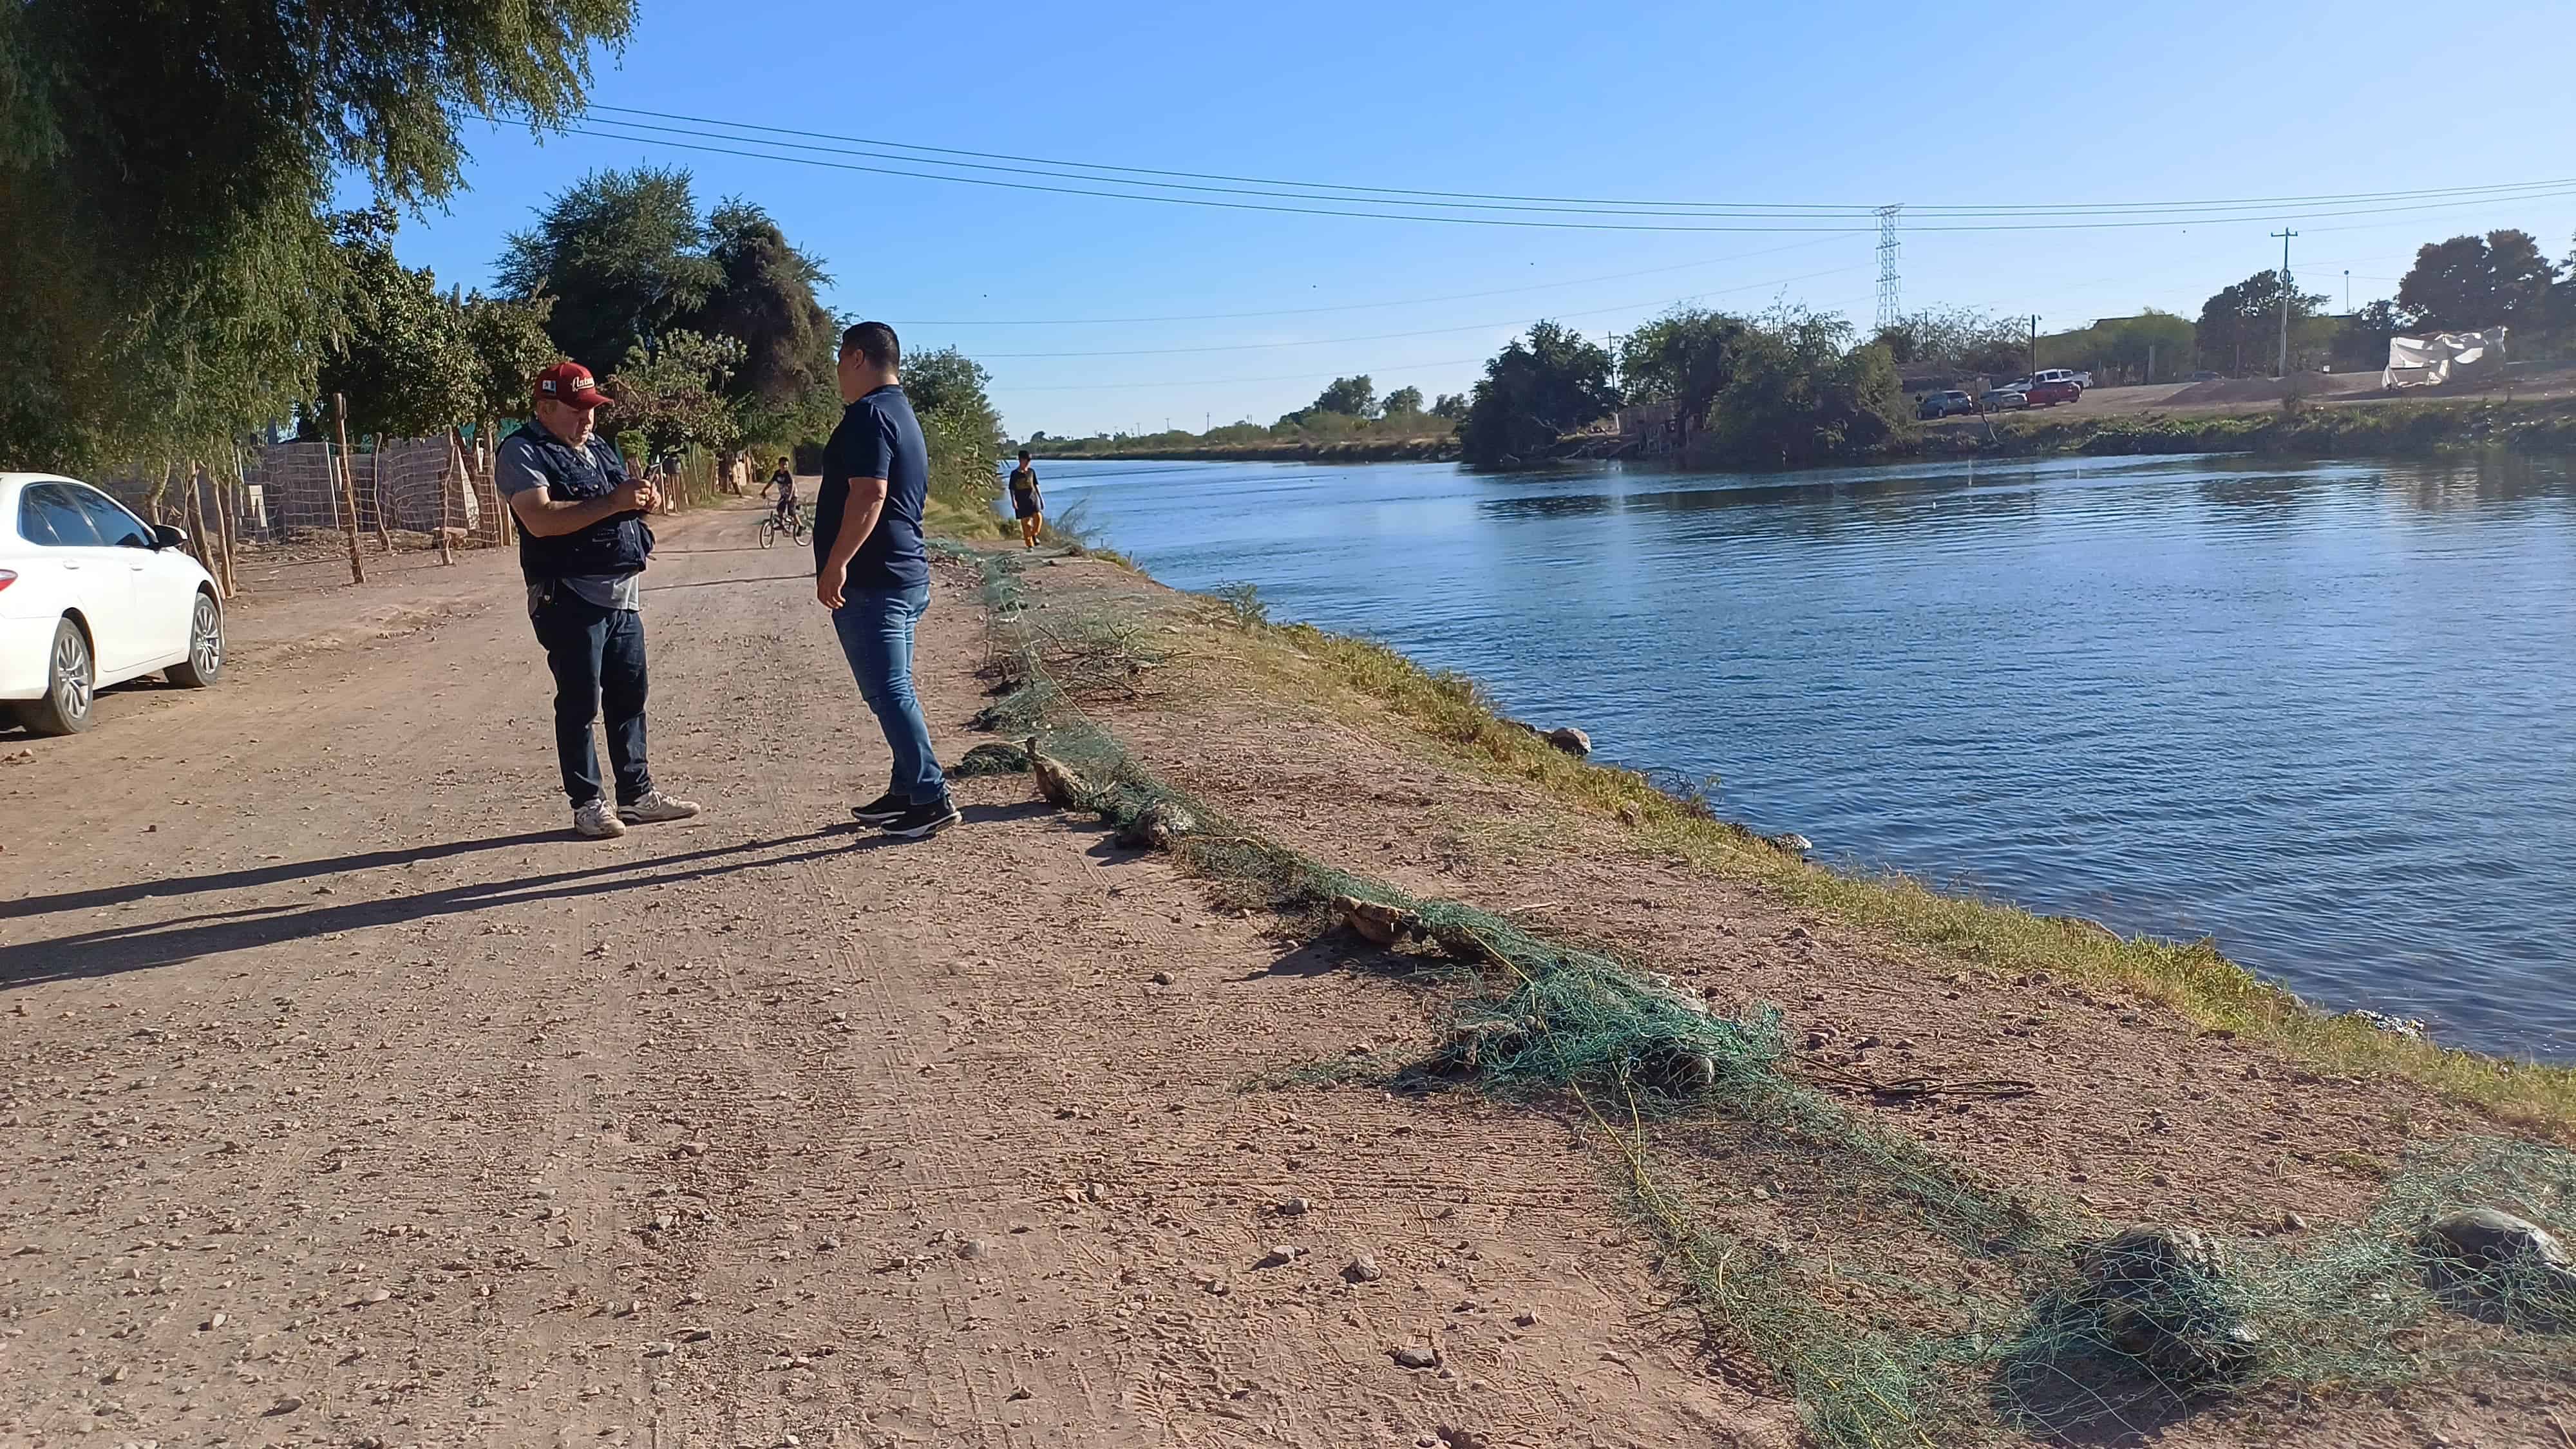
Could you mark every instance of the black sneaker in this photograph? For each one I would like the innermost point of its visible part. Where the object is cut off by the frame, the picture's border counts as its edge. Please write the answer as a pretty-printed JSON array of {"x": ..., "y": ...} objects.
[
  {"x": 883, "y": 810},
  {"x": 923, "y": 821}
]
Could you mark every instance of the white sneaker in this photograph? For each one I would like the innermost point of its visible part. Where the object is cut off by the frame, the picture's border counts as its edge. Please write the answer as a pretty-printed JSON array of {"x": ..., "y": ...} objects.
[
  {"x": 596, "y": 821},
  {"x": 653, "y": 806}
]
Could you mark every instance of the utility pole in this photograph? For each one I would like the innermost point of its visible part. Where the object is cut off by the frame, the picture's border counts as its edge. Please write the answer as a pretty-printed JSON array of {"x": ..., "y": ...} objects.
[
  {"x": 2285, "y": 234},
  {"x": 2347, "y": 291},
  {"x": 2034, "y": 344}
]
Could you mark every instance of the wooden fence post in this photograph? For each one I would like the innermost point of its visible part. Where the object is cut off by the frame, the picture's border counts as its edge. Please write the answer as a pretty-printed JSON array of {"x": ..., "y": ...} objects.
[{"x": 348, "y": 491}]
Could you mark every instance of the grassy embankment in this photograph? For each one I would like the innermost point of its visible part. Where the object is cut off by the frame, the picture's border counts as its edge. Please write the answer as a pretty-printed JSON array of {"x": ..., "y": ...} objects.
[
  {"x": 1450, "y": 711},
  {"x": 2399, "y": 429},
  {"x": 1369, "y": 682}
]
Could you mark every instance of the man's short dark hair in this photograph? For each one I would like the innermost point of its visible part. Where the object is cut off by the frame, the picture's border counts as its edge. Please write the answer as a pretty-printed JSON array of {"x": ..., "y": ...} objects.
[{"x": 874, "y": 341}]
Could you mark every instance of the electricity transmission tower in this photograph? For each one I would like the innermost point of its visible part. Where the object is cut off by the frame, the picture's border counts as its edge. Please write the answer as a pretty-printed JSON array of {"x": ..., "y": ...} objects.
[{"x": 1888, "y": 250}]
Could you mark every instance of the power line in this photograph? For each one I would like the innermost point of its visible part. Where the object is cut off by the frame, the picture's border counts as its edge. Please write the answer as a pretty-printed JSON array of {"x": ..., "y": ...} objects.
[
  {"x": 1523, "y": 202},
  {"x": 1364, "y": 306},
  {"x": 1516, "y": 322},
  {"x": 1502, "y": 221}
]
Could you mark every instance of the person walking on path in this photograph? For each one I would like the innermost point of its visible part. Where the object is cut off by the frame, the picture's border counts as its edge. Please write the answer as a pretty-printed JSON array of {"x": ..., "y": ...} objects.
[
  {"x": 582, "y": 548},
  {"x": 1027, "y": 504},
  {"x": 873, "y": 572}
]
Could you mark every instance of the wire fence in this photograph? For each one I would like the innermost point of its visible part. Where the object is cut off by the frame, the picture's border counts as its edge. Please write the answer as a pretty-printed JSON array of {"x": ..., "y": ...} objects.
[{"x": 301, "y": 502}]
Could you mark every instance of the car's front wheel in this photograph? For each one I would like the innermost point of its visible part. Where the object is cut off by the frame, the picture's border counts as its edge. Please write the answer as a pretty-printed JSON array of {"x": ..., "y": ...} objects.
[
  {"x": 71, "y": 685},
  {"x": 205, "y": 645}
]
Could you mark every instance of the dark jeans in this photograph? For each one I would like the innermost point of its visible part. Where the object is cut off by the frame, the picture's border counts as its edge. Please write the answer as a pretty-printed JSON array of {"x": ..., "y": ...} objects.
[
  {"x": 875, "y": 626},
  {"x": 598, "y": 658}
]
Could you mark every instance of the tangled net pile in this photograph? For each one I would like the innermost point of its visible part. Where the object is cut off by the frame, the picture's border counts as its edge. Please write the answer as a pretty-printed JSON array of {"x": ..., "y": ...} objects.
[{"x": 2002, "y": 1311}]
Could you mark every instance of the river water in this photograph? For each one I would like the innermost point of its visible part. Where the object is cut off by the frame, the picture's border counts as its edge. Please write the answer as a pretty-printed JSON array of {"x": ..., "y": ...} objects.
[{"x": 2323, "y": 712}]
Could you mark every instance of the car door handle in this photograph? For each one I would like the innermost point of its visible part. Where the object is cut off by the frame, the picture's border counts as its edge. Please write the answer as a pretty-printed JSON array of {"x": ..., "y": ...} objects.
[{"x": 72, "y": 564}]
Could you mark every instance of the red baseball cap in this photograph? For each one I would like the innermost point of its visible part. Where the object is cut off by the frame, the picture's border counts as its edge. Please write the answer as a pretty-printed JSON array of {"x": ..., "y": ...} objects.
[{"x": 570, "y": 382}]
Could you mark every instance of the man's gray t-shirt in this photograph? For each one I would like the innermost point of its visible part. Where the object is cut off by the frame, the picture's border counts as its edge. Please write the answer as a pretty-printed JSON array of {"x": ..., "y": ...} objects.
[{"x": 515, "y": 470}]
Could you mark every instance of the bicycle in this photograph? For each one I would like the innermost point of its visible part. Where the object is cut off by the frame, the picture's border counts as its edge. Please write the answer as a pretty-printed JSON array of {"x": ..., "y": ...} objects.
[{"x": 771, "y": 526}]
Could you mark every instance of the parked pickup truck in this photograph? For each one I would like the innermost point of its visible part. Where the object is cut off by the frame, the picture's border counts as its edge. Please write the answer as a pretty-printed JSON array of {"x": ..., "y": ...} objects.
[
  {"x": 2063, "y": 374},
  {"x": 2047, "y": 392}
]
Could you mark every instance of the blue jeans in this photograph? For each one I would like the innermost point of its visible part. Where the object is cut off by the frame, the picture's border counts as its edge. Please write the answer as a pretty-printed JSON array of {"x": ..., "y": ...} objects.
[
  {"x": 598, "y": 659},
  {"x": 875, "y": 626}
]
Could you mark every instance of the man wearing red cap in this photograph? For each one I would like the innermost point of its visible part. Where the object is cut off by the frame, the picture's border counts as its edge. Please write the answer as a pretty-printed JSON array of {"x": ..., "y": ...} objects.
[{"x": 582, "y": 548}]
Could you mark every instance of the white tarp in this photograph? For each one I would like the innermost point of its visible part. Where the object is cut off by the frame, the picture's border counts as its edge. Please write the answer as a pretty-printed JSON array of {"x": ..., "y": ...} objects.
[{"x": 2444, "y": 357}]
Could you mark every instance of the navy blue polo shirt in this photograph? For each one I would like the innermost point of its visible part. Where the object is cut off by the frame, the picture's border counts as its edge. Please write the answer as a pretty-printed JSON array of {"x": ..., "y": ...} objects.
[{"x": 878, "y": 437}]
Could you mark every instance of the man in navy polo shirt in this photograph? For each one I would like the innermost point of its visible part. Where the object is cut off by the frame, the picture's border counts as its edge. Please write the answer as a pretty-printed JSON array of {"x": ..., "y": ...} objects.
[{"x": 872, "y": 572}]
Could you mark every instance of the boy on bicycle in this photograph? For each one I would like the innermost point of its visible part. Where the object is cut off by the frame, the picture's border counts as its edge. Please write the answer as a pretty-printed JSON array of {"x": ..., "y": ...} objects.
[{"x": 783, "y": 482}]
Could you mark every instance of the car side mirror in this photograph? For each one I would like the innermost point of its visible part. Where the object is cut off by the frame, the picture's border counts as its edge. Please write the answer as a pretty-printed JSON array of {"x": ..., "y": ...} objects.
[{"x": 165, "y": 535}]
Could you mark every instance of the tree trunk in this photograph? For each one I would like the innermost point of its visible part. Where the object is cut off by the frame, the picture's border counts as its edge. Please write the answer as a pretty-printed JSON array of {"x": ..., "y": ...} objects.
[
  {"x": 227, "y": 509},
  {"x": 159, "y": 502},
  {"x": 345, "y": 501},
  {"x": 197, "y": 527}
]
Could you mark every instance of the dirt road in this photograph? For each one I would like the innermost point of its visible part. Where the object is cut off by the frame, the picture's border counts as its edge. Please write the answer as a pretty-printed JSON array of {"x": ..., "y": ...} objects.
[{"x": 352, "y": 1100}]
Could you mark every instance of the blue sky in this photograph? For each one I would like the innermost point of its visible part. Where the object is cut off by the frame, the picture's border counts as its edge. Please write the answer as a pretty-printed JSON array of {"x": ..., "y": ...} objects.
[{"x": 1857, "y": 104}]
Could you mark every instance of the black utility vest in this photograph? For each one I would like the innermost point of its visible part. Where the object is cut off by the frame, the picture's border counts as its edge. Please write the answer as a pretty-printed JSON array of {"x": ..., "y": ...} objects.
[{"x": 611, "y": 546}]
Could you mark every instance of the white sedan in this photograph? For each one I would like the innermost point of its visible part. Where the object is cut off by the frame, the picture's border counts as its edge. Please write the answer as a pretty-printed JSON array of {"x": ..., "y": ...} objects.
[{"x": 90, "y": 596}]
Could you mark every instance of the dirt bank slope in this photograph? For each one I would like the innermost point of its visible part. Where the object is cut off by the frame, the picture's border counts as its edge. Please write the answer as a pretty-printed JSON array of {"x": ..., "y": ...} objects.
[{"x": 351, "y": 1099}]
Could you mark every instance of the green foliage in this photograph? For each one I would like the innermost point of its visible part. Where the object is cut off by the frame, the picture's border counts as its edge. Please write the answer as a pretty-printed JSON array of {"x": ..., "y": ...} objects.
[
  {"x": 1685, "y": 357},
  {"x": 1535, "y": 391},
  {"x": 2473, "y": 282},
  {"x": 784, "y": 392},
  {"x": 1403, "y": 401},
  {"x": 2361, "y": 340},
  {"x": 2119, "y": 350},
  {"x": 1450, "y": 405},
  {"x": 401, "y": 356},
  {"x": 1350, "y": 397},
  {"x": 510, "y": 346},
  {"x": 1801, "y": 394},
  {"x": 166, "y": 274},
  {"x": 624, "y": 255},
  {"x": 675, "y": 396},
  {"x": 959, "y": 426},
  {"x": 2240, "y": 326},
  {"x": 1960, "y": 339}
]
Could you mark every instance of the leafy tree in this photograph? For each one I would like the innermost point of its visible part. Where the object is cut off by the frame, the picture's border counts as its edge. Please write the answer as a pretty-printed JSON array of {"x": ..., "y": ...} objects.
[
  {"x": 2120, "y": 349},
  {"x": 1404, "y": 402},
  {"x": 400, "y": 355},
  {"x": 1535, "y": 390},
  {"x": 1451, "y": 405},
  {"x": 1352, "y": 397},
  {"x": 1960, "y": 339},
  {"x": 1685, "y": 357},
  {"x": 165, "y": 266},
  {"x": 674, "y": 395},
  {"x": 1800, "y": 394},
  {"x": 510, "y": 346},
  {"x": 2239, "y": 326},
  {"x": 2472, "y": 282},
  {"x": 2361, "y": 340},
  {"x": 624, "y": 255},
  {"x": 784, "y": 390},
  {"x": 958, "y": 423}
]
